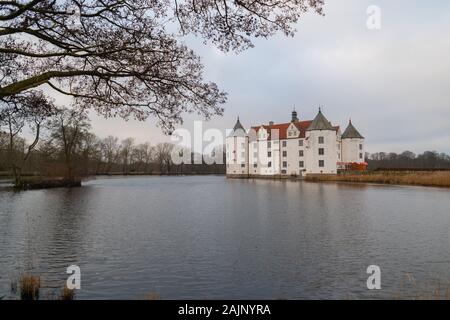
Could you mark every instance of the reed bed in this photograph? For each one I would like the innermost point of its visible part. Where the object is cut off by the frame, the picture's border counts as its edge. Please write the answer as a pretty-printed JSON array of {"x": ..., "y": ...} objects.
[
  {"x": 67, "y": 294},
  {"x": 29, "y": 287},
  {"x": 419, "y": 178}
]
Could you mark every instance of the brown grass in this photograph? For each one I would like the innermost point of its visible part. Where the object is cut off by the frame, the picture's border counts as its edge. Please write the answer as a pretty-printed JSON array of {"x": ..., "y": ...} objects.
[
  {"x": 67, "y": 294},
  {"x": 152, "y": 296},
  {"x": 435, "y": 290},
  {"x": 419, "y": 178},
  {"x": 29, "y": 287}
]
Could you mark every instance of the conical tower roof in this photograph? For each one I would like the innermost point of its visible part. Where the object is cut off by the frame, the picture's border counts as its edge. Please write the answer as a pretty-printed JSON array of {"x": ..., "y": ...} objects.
[
  {"x": 238, "y": 129},
  {"x": 351, "y": 132},
  {"x": 320, "y": 123}
]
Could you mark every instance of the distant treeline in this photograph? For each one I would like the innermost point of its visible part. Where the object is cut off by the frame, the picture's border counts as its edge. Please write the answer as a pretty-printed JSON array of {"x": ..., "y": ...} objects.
[
  {"x": 64, "y": 146},
  {"x": 408, "y": 159}
]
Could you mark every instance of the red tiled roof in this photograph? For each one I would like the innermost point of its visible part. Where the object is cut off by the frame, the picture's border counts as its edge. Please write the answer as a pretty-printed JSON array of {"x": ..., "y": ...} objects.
[{"x": 282, "y": 128}]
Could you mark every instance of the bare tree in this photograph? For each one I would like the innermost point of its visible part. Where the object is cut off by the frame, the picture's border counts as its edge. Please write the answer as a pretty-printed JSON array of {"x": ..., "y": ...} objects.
[
  {"x": 147, "y": 152},
  {"x": 17, "y": 112},
  {"x": 118, "y": 57},
  {"x": 90, "y": 152},
  {"x": 110, "y": 150},
  {"x": 67, "y": 130},
  {"x": 126, "y": 148},
  {"x": 163, "y": 157},
  {"x": 141, "y": 156}
]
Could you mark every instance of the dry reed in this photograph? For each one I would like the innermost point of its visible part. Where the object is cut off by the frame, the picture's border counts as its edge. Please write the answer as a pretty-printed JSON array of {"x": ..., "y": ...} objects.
[
  {"x": 433, "y": 178},
  {"x": 29, "y": 287}
]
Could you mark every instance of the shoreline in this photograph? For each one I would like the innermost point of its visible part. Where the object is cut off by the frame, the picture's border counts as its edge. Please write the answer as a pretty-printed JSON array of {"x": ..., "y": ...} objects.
[{"x": 437, "y": 179}]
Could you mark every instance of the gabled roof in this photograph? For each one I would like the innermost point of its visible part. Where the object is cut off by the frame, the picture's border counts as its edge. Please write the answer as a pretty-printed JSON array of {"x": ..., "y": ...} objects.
[
  {"x": 351, "y": 132},
  {"x": 320, "y": 123},
  {"x": 283, "y": 127}
]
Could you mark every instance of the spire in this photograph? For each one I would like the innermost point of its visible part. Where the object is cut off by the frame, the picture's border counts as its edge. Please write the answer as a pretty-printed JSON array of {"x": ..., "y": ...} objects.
[
  {"x": 238, "y": 125},
  {"x": 294, "y": 116},
  {"x": 351, "y": 132},
  {"x": 320, "y": 123}
]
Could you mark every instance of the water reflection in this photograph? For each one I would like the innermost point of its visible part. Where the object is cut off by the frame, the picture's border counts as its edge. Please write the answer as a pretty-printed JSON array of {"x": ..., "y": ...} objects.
[{"x": 208, "y": 237}]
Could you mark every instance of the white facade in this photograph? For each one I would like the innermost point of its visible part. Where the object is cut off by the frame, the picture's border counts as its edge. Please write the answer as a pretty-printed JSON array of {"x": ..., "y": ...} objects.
[
  {"x": 353, "y": 150},
  {"x": 296, "y": 148},
  {"x": 322, "y": 151},
  {"x": 237, "y": 155}
]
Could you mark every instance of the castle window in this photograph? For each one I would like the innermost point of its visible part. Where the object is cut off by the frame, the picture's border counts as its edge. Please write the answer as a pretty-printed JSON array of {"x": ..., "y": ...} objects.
[
  {"x": 321, "y": 151},
  {"x": 269, "y": 154},
  {"x": 321, "y": 163},
  {"x": 301, "y": 164},
  {"x": 300, "y": 143},
  {"x": 300, "y": 153},
  {"x": 284, "y": 153},
  {"x": 255, "y": 165},
  {"x": 284, "y": 143},
  {"x": 360, "y": 147},
  {"x": 321, "y": 140},
  {"x": 360, "y": 155},
  {"x": 269, "y": 164},
  {"x": 243, "y": 165},
  {"x": 284, "y": 164},
  {"x": 269, "y": 144}
]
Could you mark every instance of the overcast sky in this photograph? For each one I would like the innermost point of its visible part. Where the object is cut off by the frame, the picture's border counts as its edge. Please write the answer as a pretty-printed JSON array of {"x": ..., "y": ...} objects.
[{"x": 394, "y": 83}]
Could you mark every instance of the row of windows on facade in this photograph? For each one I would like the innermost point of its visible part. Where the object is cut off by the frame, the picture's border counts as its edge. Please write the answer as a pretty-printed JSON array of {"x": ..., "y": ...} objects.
[
  {"x": 300, "y": 143},
  {"x": 301, "y": 164},
  {"x": 300, "y": 154}
]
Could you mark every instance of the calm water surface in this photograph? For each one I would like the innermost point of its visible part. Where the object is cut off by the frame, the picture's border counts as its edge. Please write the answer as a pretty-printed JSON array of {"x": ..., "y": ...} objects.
[{"x": 206, "y": 237}]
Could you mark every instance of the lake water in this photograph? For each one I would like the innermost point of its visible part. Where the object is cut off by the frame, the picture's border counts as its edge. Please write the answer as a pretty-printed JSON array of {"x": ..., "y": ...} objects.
[{"x": 206, "y": 237}]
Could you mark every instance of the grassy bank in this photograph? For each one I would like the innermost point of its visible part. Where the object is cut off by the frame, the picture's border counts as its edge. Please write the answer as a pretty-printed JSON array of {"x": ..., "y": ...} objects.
[
  {"x": 419, "y": 178},
  {"x": 32, "y": 183}
]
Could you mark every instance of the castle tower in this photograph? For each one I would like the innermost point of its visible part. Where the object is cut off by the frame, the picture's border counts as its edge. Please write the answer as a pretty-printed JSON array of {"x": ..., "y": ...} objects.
[
  {"x": 237, "y": 151},
  {"x": 294, "y": 116},
  {"x": 352, "y": 145},
  {"x": 321, "y": 146}
]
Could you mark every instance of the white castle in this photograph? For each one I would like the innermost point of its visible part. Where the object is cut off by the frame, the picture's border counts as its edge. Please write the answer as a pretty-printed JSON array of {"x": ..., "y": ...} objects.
[{"x": 296, "y": 148}]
